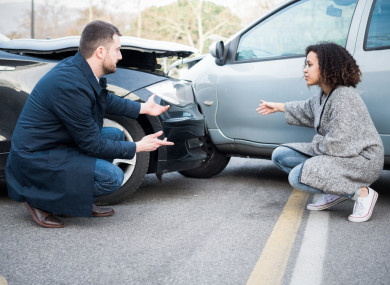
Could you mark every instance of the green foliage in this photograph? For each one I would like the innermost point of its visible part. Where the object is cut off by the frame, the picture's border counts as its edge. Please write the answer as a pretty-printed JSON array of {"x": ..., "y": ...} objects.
[
  {"x": 197, "y": 23},
  {"x": 193, "y": 22}
]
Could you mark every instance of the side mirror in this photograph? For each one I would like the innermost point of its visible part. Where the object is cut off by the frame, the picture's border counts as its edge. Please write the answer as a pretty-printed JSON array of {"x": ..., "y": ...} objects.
[{"x": 217, "y": 50}]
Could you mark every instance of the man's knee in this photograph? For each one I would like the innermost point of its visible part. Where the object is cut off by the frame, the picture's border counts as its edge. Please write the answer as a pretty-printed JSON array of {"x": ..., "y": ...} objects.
[
  {"x": 108, "y": 179},
  {"x": 115, "y": 178},
  {"x": 112, "y": 133}
]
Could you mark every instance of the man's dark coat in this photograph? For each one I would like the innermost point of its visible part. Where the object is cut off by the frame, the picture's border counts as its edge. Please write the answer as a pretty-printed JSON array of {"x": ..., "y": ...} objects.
[{"x": 57, "y": 139}]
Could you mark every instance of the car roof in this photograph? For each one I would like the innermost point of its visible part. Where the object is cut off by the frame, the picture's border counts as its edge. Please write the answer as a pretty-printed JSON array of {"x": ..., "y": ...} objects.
[{"x": 38, "y": 46}]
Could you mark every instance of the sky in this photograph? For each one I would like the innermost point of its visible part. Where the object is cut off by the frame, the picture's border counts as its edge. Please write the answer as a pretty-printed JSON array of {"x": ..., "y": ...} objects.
[
  {"x": 85, "y": 3},
  {"x": 11, "y": 11}
]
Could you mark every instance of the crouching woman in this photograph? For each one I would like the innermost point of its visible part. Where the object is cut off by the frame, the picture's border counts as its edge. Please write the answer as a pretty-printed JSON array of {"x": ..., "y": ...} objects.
[{"x": 346, "y": 154}]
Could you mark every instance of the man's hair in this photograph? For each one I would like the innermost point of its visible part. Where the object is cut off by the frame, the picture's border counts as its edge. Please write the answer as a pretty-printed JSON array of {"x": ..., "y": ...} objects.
[
  {"x": 95, "y": 34},
  {"x": 337, "y": 66}
]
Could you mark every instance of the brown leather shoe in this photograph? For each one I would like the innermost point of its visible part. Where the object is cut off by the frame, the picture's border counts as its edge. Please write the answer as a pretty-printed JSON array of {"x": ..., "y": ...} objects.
[
  {"x": 45, "y": 219},
  {"x": 101, "y": 212}
]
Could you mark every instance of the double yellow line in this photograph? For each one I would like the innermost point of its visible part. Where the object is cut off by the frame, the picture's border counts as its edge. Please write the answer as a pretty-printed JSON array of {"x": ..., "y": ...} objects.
[{"x": 270, "y": 267}]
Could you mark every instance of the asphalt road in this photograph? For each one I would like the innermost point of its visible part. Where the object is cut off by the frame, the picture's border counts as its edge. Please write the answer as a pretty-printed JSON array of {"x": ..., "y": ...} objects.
[{"x": 243, "y": 226}]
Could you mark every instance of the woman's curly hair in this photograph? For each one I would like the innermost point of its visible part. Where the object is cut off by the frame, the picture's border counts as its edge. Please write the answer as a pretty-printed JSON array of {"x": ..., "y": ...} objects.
[{"x": 337, "y": 66}]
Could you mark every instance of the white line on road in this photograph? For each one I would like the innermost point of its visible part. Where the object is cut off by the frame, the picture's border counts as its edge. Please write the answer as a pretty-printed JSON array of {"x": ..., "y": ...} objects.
[{"x": 309, "y": 264}]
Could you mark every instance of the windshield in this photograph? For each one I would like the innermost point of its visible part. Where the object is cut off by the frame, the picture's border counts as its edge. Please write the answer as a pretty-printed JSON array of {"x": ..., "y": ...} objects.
[{"x": 292, "y": 29}]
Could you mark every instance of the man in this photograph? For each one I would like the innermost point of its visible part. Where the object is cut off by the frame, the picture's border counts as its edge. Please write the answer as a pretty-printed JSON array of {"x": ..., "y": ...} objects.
[{"x": 58, "y": 159}]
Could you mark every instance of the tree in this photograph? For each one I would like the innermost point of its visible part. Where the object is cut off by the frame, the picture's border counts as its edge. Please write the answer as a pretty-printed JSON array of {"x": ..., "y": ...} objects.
[
  {"x": 193, "y": 22},
  {"x": 254, "y": 9},
  {"x": 54, "y": 20},
  {"x": 51, "y": 21}
]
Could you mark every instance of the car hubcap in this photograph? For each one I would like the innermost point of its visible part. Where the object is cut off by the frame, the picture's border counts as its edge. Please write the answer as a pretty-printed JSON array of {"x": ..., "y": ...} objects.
[{"x": 127, "y": 165}]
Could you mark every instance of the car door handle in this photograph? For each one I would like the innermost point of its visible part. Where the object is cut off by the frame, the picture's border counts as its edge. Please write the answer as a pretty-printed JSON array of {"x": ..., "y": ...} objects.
[
  {"x": 208, "y": 103},
  {"x": 7, "y": 68}
]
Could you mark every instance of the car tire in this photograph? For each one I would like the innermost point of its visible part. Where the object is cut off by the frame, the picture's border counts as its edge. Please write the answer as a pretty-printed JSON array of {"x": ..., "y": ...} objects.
[
  {"x": 214, "y": 163},
  {"x": 134, "y": 169},
  {"x": 3, "y": 188}
]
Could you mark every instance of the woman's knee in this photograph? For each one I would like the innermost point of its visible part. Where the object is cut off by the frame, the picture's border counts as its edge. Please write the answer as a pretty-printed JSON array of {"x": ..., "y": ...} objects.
[
  {"x": 294, "y": 180},
  {"x": 279, "y": 153},
  {"x": 281, "y": 158},
  {"x": 293, "y": 177}
]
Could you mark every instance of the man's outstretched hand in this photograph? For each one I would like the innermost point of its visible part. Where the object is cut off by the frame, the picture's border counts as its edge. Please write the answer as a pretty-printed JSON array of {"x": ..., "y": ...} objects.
[
  {"x": 151, "y": 142},
  {"x": 152, "y": 108}
]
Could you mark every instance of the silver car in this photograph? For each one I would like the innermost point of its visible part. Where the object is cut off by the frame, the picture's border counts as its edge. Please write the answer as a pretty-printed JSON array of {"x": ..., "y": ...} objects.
[{"x": 266, "y": 60}]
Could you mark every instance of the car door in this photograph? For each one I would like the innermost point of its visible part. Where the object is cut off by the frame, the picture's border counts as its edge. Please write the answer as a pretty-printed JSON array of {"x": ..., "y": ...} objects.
[
  {"x": 266, "y": 62},
  {"x": 372, "y": 53}
]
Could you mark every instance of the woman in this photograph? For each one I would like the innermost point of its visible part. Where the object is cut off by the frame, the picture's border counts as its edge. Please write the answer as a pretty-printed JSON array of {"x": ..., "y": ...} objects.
[{"x": 346, "y": 154}]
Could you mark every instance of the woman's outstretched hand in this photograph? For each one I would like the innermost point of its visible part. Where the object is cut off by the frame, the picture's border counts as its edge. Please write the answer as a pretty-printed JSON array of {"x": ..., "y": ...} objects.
[{"x": 266, "y": 108}]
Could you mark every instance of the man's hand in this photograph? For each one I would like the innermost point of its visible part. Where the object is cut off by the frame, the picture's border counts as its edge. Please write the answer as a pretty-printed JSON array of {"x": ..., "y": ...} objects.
[
  {"x": 151, "y": 142},
  {"x": 152, "y": 108}
]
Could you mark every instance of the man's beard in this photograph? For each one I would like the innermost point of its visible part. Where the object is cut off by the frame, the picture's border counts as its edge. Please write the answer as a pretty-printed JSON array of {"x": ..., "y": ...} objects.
[{"x": 108, "y": 67}]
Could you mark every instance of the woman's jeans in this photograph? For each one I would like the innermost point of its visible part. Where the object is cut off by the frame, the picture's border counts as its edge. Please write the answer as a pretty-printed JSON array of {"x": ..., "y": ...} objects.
[
  {"x": 108, "y": 177},
  {"x": 291, "y": 162}
]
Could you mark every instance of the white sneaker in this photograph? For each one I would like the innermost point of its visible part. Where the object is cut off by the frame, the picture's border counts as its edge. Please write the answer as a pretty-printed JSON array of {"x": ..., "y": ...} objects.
[
  {"x": 364, "y": 206},
  {"x": 325, "y": 201}
]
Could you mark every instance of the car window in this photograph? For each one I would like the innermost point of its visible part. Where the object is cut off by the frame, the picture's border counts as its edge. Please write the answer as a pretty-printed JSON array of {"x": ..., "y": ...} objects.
[
  {"x": 379, "y": 26},
  {"x": 292, "y": 29}
]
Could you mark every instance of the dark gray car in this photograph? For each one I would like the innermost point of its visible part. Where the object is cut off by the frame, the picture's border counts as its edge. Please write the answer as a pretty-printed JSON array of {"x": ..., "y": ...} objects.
[{"x": 139, "y": 75}]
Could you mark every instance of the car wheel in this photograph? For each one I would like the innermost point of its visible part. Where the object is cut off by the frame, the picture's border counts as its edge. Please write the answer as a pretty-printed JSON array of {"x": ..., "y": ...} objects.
[
  {"x": 135, "y": 169},
  {"x": 3, "y": 188},
  {"x": 214, "y": 163}
]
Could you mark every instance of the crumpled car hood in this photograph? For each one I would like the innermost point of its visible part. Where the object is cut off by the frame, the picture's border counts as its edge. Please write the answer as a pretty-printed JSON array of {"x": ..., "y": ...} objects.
[{"x": 160, "y": 48}]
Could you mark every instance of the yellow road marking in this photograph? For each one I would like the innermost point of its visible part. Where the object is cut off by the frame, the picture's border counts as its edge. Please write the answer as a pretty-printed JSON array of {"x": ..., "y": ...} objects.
[
  {"x": 272, "y": 263},
  {"x": 3, "y": 281}
]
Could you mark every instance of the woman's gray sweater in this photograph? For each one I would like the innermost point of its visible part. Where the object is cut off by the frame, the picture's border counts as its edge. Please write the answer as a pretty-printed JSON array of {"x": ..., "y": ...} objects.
[{"x": 347, "y": 151}]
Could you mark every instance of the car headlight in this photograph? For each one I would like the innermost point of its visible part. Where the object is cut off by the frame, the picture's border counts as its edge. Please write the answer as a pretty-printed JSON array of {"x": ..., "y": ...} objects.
[{"x": 177, "y": 92}]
